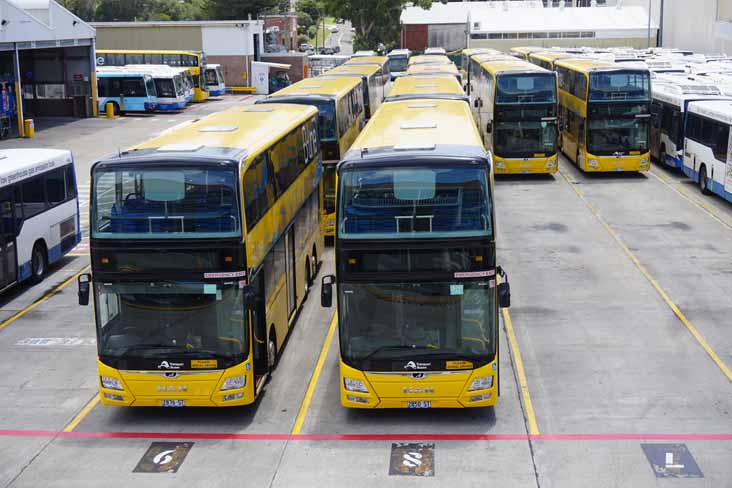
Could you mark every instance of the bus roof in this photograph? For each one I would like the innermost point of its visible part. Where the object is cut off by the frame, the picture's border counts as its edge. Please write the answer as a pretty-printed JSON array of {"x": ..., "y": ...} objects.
[
  {"x": 354, "y": 69},
  {"x": 483, "y": 57},
  {"x": 588, "y": 66},
  {"x": 367, "y": 60},
  {"x": 145, "y": 51},
  {"x": 716, "y": 110},
  {"x": 398, "y": 52},
  {"x": 121, "y": 71},
  {"x": 436, "y": 69},
  {"x": 425, "y": 87},
  {"x": 479, "y": 50},
  {"x": 429, "y": 59},
  {"x": 425, "y": 125},
  {"x": 245, "y": 131},
  {"x": 669, "y": 91},
  {"x": 526, "y": 49},
  {"x": 512, "y": 66},
  {"x": 15, "y": 164},
  {"x": 551, "y": 56},
  {"x": 334, "y": 87}
]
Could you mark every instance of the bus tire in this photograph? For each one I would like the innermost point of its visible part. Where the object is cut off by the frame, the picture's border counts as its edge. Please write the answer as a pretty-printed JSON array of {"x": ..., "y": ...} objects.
[
  {"x": 115, "y": 109},
  {"x": 315, "y": 262},
  {"x": 308, "y": 276},
  {"x": 272, "y": 349},
  {"x": 39, "y": 262},
  {"x": 703, "y": 183}
]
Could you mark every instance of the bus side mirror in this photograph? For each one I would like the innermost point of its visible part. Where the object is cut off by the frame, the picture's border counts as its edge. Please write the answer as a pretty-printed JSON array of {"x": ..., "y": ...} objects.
[
  {"x": 504, "y": 290},
  {"x": 326, "y": 291},
  {"x": 250, "y": 298},
  {"x": 489, "y": 127},
  {"x": 475, "y": 103},
  {"x": 84, "y": 285}
]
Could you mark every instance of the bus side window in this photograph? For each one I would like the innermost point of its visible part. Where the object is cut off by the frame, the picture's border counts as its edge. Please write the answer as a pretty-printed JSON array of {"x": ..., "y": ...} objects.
[
  {"x": 34, "y": 198},
  {"x": 259, "y": 192},
  {"x": 18, "y": 209},
  {"x": 70, "y": 178},
  {"x": 55, "y": 186}
]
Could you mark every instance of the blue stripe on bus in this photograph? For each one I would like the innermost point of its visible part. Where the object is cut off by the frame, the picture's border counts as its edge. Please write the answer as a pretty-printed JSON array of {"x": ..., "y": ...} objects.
[
  {"x": 216, "y": 93},
  {"x": 673, "y": 162},
  {"x": 717, "y": 188}
]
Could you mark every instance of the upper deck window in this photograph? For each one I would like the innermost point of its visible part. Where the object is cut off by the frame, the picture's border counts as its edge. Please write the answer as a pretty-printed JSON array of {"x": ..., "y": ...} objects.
[
  {"x": 154, "y": 203},
  {"x": 415, "y": 202},
  {"x": 526, "y": 88},
  {"x": 620, "y": 86}
]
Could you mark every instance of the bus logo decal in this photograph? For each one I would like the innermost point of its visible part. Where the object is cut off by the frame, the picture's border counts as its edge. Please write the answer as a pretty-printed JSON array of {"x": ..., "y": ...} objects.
[
  {"x": 169, "y": 365},
  {"x": 417, "y": 365}
]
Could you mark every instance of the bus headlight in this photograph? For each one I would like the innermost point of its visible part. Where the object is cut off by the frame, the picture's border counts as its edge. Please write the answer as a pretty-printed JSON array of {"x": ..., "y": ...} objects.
[
  {"x": 355, "y": 385},
  {"x": 594, "y": 163},
  {"x": 500, "y": 164},
  {"x": 111, "y": 383},
  {"x": 644, "y": 161},
  {"x": 234, "y": 383},
  {"x": 481, "y": 383}
]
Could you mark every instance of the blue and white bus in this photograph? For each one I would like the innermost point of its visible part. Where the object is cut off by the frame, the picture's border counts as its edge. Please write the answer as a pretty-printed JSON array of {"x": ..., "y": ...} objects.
[
  {"x": 170, "y": 85},
  {"x": 708, "y": 147},
  {"x": 215, "y": 80},
  {"x": 40, "y": 212},
  {"x": 671, "y": 98},
  {"x": 127, "y": 90}
]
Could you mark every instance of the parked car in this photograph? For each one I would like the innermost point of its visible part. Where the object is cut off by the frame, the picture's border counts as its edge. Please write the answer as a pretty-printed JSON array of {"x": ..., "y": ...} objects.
[{"x": 334, "y": 29}]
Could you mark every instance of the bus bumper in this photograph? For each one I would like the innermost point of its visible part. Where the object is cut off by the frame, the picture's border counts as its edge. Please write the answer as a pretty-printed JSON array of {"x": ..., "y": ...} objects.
[
  {"x": 436, "y": 389},
  {"x": 200, "y": 388},
  {"x": 612, "y": 164},
  {"x": 525, "y": 166}
]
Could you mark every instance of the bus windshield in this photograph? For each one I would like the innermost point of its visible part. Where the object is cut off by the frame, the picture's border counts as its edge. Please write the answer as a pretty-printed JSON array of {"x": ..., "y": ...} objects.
[
  {"x": 526, "y": 88},
  {"x": 398, "y": 63},
  {"x": 521, "y": 132},
  {"x": 165, "y": 88},
  {"x": 154, "y": 203},
  {"x": 415, "y": 202},
  {"x": 620, "y": 86},
  {"x": 389, "y": 321},
  {"x": 326, "y": 116},
  {"x": 617, "y": 129},
  {"x": 165, "y": 318}
]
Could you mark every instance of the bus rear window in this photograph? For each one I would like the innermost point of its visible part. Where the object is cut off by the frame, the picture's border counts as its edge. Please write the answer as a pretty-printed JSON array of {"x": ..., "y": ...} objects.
[
  {"x": 154, "y": 203},
  {"x": 414, "y": 203}
]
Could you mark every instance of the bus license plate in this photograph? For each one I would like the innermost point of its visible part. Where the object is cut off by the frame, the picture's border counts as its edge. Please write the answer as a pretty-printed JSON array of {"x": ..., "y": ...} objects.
[
  {"x": 419, "y": 404},
  {"x": 174, "y": 403}
]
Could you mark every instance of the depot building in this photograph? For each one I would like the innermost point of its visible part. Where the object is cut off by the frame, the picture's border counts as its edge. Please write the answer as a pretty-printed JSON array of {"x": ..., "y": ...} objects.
[{"x": 46, "y": 56}]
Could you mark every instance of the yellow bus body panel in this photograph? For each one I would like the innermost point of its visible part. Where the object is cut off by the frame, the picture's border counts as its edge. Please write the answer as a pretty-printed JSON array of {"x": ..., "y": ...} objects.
[
  {"x": 195, "y": 388},
  {"x": 444, "y": 389},
  {"x": 611, "y": 164}
]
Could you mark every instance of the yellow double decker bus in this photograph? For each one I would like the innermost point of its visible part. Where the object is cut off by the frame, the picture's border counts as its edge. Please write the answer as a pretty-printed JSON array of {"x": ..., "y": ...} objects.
[
  {"x": 416, "y": 272},
  {"x": 605, "y": 114},
  {"x": 523, "y": 52},
  {"x": 426, "y": 88},
  {"x": 467, "y": 53},
  {"x": 380, "y": 61},
  {"x": 204, "y": 243},
  {"x": 193, "y": 61},
  {"x": 516, "y": 110},
  {"x": 341, "y": 117}
]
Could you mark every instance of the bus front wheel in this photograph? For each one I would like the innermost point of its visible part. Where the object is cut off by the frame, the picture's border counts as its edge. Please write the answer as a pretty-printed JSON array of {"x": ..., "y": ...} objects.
[
  {"x": 272, "y": 350},
  {"x": 38, "y": 262},
  {"x": 703, "y": 182}
]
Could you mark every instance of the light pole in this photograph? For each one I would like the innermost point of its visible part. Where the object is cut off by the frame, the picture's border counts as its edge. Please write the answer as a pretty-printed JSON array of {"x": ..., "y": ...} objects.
[{"x": 650, "y": 3}]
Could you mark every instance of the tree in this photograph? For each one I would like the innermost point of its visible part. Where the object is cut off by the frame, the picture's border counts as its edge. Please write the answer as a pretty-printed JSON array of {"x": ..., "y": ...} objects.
[
  {"x": 84, "y": 9},
  {"x": 240, "y": 9},
  {"x": 314, "y": 8},
  {"x": 375, "y": 21},
  {"x": 123, "y": 10}
]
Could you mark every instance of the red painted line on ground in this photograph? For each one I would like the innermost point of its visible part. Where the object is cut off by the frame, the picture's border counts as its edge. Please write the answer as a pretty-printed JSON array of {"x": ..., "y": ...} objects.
[{"x": 364, "y": 437}]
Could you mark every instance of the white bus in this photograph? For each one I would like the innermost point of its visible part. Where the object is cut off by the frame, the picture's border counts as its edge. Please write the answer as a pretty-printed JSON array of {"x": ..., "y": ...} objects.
[
  {"x": 671, "y": 97},
  {"x": 40, "y": 212},
  {"x": 215, "y": 80},
  {"x": 708, "y": 147},
  {"x": 170, "y": 84}
]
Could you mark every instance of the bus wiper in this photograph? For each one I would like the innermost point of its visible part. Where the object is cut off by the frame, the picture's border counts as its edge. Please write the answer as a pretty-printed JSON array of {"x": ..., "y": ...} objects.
[{"x": 402, "y": 347}]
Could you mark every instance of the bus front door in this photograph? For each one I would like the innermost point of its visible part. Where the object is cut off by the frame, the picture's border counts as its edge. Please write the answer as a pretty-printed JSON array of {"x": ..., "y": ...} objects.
[{"x": 8, "y": 267}]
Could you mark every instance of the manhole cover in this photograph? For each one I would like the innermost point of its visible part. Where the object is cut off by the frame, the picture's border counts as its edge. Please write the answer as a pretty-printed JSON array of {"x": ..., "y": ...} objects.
[
  {"x": 671, "y": 461},
  {"x": 163, "y": 457},
  {"x": 412, "y": 460}
]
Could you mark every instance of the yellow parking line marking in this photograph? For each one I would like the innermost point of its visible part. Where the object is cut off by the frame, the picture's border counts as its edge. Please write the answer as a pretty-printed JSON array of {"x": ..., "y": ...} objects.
[
  {"x": 81, "y": 415},
  {"x": 644, "y": 271},
  {"x": 685, "y": 195},
  {"x": 314, "y": 378},
  {"x": 521, "y": 373},
  {"x": 43, "y": 299}
]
